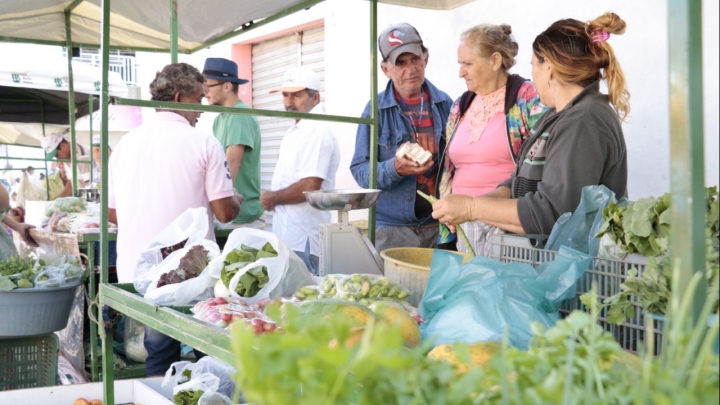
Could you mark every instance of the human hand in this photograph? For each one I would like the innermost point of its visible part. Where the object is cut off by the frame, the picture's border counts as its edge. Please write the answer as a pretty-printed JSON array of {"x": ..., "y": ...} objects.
[
  {"x": 24, "y": 231},
  {"x": 407, "y": 167},
  {"x": 267, "y": 200},
  {"x": 453, "y": 209}
]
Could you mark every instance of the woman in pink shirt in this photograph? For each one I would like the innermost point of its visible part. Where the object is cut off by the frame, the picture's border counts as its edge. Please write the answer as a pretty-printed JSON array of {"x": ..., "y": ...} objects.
[{"x": 487, "y": 125}]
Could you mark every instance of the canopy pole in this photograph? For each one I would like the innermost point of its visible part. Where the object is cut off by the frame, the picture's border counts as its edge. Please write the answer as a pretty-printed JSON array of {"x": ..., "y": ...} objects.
[
  {"x": 47, "y": 174},
  {"x": 107, "y": 347},
  {"x": 71, "y": 103},
  {"x": 687, "y": 164},
  {"x": 91, "y": 103},
  {"x": 173, "y": 31},
  {"x": 372, "y": 180}
]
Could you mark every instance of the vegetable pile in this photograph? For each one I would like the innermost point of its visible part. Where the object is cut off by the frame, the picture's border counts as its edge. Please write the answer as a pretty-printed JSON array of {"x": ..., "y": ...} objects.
[
  {"x": 36, "y": 273},
  {"x": 362, "y": 288},
  {"x": 254, "y": 279},
  {"x": 574, "y": 362},
  {"x": 187, "y": 397},
  {"x": 644, "y": 227},
  {"x": 191, "y": 265}
]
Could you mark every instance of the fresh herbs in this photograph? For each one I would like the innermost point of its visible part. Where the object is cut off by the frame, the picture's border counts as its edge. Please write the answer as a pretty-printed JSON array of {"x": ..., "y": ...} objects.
[
  {"x": 574, "y": 362},
  {"x": 254, "y": 279},
  {"x": 191, "y": 265},
  {"x": 644, "y": 227},
  {"x": 188, "y": 397}
]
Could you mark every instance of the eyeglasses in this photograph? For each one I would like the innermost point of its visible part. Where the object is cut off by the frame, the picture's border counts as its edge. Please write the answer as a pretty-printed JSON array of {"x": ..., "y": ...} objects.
[{"x": 207, "y": 86}]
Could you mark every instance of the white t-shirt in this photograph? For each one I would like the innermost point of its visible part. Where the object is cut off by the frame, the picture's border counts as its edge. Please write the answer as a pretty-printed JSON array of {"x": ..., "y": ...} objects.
[
  {"x": 83, "y": 169},
  {"x": 309, "y": 149},
  {"x": 159, "y": 170}
]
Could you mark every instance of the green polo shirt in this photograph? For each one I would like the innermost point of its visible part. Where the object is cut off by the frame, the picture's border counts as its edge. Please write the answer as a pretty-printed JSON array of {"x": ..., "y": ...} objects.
[{"x": 234, "y": 129}]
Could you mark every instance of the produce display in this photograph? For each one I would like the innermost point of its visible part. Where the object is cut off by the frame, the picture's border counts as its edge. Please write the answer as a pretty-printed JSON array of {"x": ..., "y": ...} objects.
[
  {"x": 574, "y": 362},
  {"x": 223, "y": 312},
  {"x": 36, "y": 273},
  {"x": 643, "y": 226},
  {"x": 191, "y": 265},
  {"x": 254, "y": 279},
  {"x": 65, "y": 204}
]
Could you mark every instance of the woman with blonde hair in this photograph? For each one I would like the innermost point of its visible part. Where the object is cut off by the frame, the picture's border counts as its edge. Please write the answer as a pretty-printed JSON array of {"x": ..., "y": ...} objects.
[
  {"x": 487, "y": 125},
  {"x": 576, "y": 143}
]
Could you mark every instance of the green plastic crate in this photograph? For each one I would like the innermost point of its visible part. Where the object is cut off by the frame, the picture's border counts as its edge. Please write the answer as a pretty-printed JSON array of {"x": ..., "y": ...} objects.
[{"x": 28, "y": 362}]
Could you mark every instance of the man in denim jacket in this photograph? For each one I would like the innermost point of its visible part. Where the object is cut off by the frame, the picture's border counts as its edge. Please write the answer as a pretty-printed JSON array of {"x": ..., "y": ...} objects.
[{"x": 411, "y": 109}]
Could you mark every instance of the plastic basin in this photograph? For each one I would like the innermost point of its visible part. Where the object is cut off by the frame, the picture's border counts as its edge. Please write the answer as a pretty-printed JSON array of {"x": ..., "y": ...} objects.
[
  {"x": 410, "y": 267},
  {"x": 35, "y": 311}
]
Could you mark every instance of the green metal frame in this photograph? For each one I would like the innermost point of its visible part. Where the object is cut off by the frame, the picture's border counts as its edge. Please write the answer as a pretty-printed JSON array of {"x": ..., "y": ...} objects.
[
  {"x": 686, "y": 123},
  {"x": 687, "y": 161}
]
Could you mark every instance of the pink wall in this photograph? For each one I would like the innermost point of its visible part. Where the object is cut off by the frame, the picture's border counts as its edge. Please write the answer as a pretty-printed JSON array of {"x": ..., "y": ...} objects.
[{"x": 242, "y": 55}]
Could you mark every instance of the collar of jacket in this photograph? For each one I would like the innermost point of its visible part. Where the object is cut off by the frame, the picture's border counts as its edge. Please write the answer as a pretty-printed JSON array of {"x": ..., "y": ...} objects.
[{"x": 388, "y": 100}]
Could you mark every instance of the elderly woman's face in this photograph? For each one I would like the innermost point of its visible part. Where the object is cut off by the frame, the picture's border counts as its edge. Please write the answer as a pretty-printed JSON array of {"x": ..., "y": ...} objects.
[{"x": 480, "y": 73}]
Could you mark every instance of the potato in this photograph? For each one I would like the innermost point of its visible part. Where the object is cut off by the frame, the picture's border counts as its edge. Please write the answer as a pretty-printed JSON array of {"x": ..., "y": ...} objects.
[
  {"x": 81, "y": 401},
  {"x": 96, "y": 402}
]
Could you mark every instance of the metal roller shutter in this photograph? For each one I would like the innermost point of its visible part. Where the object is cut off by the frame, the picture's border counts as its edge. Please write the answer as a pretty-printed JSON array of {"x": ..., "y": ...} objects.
[{"x": 270, "y": 60}]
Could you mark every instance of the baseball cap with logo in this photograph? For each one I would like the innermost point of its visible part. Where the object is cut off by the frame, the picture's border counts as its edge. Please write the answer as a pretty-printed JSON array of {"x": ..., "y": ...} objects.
[
  {"x": 297, "y": 79},
  {"x": 398, "y": 39}
]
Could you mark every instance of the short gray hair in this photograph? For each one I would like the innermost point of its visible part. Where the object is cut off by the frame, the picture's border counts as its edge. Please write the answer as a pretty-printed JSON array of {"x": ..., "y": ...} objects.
[
  {"x": 311, "y": 92},
  {"x": 175, "y": 78}
]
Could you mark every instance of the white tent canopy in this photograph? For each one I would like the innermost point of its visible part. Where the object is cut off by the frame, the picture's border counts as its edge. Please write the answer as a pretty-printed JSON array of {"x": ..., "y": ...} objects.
[{"x": 146, "y": 24}]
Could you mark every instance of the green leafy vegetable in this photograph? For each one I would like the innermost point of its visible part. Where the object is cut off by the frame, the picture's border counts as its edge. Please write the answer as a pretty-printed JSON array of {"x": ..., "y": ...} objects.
[
  {"x": 189, "y": 397},
  {"x": 574, "y": 362},
  {"x": 254, "y": 279},
  {"x": 644, "y": 227},
  {"x": 185, "y": 376},
  {"x": 6, "y": 284},
  {"x": 190, "y": 266}
]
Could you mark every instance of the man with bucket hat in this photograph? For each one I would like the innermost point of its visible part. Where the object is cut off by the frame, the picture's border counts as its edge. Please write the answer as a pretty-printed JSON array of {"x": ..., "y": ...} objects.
[
  {"x": 410, "y": 109},
  {"x": 309, "y": 157},
  {"x": 240, "y": 137},
  {"x": 57, "y": 147}
]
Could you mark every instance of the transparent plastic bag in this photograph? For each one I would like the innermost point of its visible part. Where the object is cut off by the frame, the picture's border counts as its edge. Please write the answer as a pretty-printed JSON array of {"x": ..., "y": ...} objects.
[
  {"x": 186, "y": 371},
  {"x": 205, "y": 382},
  {"x": 133, "y": 341},
  {"x": 286, "y": 272},
  {"x": 366, "y": 288},
  {"x": 65, "y": 204},
  {"x": 484, "y": 298},
  {"x": 29, "y": 191},
  {"x": 214, "y": 398},
  {"x": 63, "y": 271},
  {"x": 608, "y": 249},
  {"x": 197, "y": 288},
  {"x": 188, "y": 228}
]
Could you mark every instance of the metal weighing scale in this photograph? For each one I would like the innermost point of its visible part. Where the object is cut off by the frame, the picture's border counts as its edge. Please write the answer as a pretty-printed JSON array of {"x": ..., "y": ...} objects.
[{"x": 344, "y": 248}]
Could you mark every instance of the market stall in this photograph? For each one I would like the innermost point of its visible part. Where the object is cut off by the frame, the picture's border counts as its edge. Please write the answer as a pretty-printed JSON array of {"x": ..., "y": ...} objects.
[{"x": 688, "y": 208}]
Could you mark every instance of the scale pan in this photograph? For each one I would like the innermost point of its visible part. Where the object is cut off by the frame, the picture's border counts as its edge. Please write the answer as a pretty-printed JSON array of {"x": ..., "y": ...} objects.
[{"x": 338, "y": 200}]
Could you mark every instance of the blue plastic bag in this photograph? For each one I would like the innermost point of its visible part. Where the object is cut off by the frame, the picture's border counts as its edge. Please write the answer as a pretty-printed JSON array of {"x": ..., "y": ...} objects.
[
  {"x": 577, "y": 231},
  {"x": 478, "y": 301}
]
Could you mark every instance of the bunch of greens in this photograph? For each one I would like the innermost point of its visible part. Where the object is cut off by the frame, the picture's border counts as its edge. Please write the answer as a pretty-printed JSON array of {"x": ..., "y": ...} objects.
[
  {"x": 187, "y": 397},
  {"x": 17, "y": 273},
  {"x": 574, "y": 362},
  {"x": 65, "y": 204},
  {"x": 190, "y": 266},
  {"x": 254, "y": 279},
  {"x": 651, "y": 290}
]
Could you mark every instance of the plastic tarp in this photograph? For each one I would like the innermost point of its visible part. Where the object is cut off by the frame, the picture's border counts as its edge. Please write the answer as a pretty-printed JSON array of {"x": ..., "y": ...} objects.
[
  {"x": 146, "y": 24},
  {"x": 25, "y": 85}
]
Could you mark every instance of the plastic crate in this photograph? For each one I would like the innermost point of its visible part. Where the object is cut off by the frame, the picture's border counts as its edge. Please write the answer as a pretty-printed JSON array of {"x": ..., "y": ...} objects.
[
  {"x": 28, "y": 362},
  {"x": 608, "y": 274}
]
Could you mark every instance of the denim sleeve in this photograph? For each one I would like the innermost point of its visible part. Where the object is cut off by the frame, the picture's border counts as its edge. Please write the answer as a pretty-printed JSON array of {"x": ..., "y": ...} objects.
[{"x": 387, "y": 176}]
